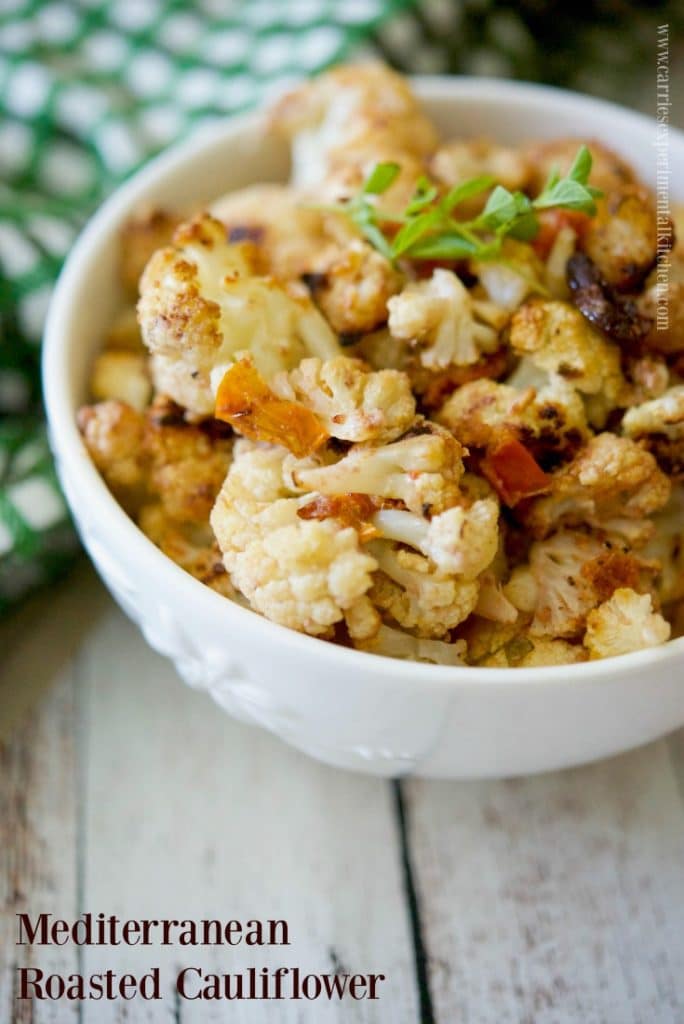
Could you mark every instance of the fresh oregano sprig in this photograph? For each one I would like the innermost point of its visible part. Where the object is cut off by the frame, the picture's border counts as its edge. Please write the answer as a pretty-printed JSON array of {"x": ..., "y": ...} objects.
[{"x": 428, "y": 226}]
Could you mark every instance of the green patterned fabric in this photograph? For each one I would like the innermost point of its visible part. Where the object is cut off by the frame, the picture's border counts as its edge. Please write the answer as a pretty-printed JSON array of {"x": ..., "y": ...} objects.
[{"x": 88, "y": 91}]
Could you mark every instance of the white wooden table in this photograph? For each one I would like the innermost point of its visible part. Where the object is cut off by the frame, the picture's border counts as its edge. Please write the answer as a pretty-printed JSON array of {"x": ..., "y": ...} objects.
[{"x": 544, "y": 901}]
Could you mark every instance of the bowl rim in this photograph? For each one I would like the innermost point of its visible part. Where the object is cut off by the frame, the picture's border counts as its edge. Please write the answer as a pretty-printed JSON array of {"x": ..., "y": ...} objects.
[{"x": 67, "y": 444}]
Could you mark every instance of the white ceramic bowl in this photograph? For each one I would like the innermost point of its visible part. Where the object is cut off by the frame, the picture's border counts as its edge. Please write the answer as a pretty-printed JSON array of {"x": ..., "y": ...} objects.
[{"x": 351, "y": 709}]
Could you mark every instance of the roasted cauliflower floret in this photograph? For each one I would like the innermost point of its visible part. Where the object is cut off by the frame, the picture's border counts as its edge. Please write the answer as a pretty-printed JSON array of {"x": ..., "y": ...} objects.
[
  {"x": 608, "y": 170},
  {"x": 190, "y": 545},
  {"x": 157, "y": 457},
  {"x": 124, "y": 333},
  {"x": 121, "y": 375},
  {"x": 113, "y": 433},
  {"x": 625, "y": 622},
  {"x": 352, "y": 287},
  {"x": 421, "y": 469},
  {"x": 140, "y": 237},
  {"x": 201, "y": 306},
  {"x": 567, "y": 575},
  {"x": 550, "y": 422},
  {"x": 289, "y": 232},
  {"x": 302, "y": 573},
  {"x": 659, "y": 426},
  {"x": 353, "y": 402},
  {"x": 442, "y": 319},
  {"x": 416, "y": 595},
  {"x": 461, "y": 540},
  {"x": 622, "y": 238},
  {"x": 557, "y": 339},
  {"x": 462, "y": 159},
  {"x": 394, "y": 643},
  {"x": 344, "y": 122},
  {"x": 612, "y": 483},
  {"x": 493, "y": 645},
  {"x": 186, "y": 463}
]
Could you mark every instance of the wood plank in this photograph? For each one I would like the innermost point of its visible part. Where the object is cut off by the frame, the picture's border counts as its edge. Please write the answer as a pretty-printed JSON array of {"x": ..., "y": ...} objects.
[
  {"x": 555, "y": 899},
  {"x": 38, "y": 828},
  {"x": 43, "y": 635},
  {"x": 190, "y": 815}
]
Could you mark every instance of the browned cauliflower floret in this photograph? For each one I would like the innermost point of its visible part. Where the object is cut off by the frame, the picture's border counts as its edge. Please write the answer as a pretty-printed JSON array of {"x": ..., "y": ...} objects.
[
  {"x": 140, "y": 237},
  {"x": 546, "y": 651},
  {"x": 622, "y": 238},
  {"x": 556, "y": 338},
  {"x": 441, "y": 318},
  {"x": 302, "y": 573},
  {"x": 113, "y": 433},
  {"x": 608, "y": 170},
  {"x": 625, "y": 622},
  {"x": 659, "y": 426},
  {"x": 353, "y": 402},
  {"x": 421, "y": 469},
  {"x": 290, "y": 234},
  {"x": 190, "y": 545},
  {"x": 201, "y": 306},
  {"x": 462, "y": 540},
  {"x": 567, "y": 575},
  {"x": 551, "y": 423},
  {"x": 157, "y": 457},
  {"x": 349, "y": 280},
  {"x": 352, "y": 286},
  {"x": 416, "y": 595},
  {"x": 344, "y": 122},
  {"x": 121, "y": 375},
  {"x": 124, "y": 333},
  {"x": 612, "y": 483},
  {"x": 186, "y": 463},
  {"x": 395, "y": 643},
  {"x": 648, "y": 376},
  {"x": 492, "y": 646},
  {"x": 462, "y": 159},
  {"x": 166, "y": 472}
]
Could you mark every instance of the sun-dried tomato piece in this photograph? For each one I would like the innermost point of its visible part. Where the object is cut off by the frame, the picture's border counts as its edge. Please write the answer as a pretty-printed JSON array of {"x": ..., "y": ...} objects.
[
  {"x": 512, "y": 471},
  {"x": 245, "y": 400},
  {"x": 350, "y": 509},
  {"x": 551, "y": 222}
]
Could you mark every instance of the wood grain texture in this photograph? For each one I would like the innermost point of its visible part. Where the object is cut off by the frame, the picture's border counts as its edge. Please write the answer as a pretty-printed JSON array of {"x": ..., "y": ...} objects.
[
  {"x": 38, "y": 829},
  {"x": 557, "y": 899},
  {"x": 190, "y": 815}
]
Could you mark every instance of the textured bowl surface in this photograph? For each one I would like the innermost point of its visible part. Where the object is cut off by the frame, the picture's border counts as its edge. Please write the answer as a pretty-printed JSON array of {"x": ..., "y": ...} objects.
[{"x": 350, "y": 709}]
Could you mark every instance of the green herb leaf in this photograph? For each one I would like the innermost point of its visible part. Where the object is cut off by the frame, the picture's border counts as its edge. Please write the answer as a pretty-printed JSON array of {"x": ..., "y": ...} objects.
[
  {"x": 569, "y": 194},
  {"x": 380, "y": 178},
  {"x": 414, "y": 229},
  {"x": 581, "y": 166},
  {"x": 424, "y": 194},
  {"x": 445, "y": 247},
  {"x": 430, "y": 231},
  {"x": 459, "y": 193}
]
